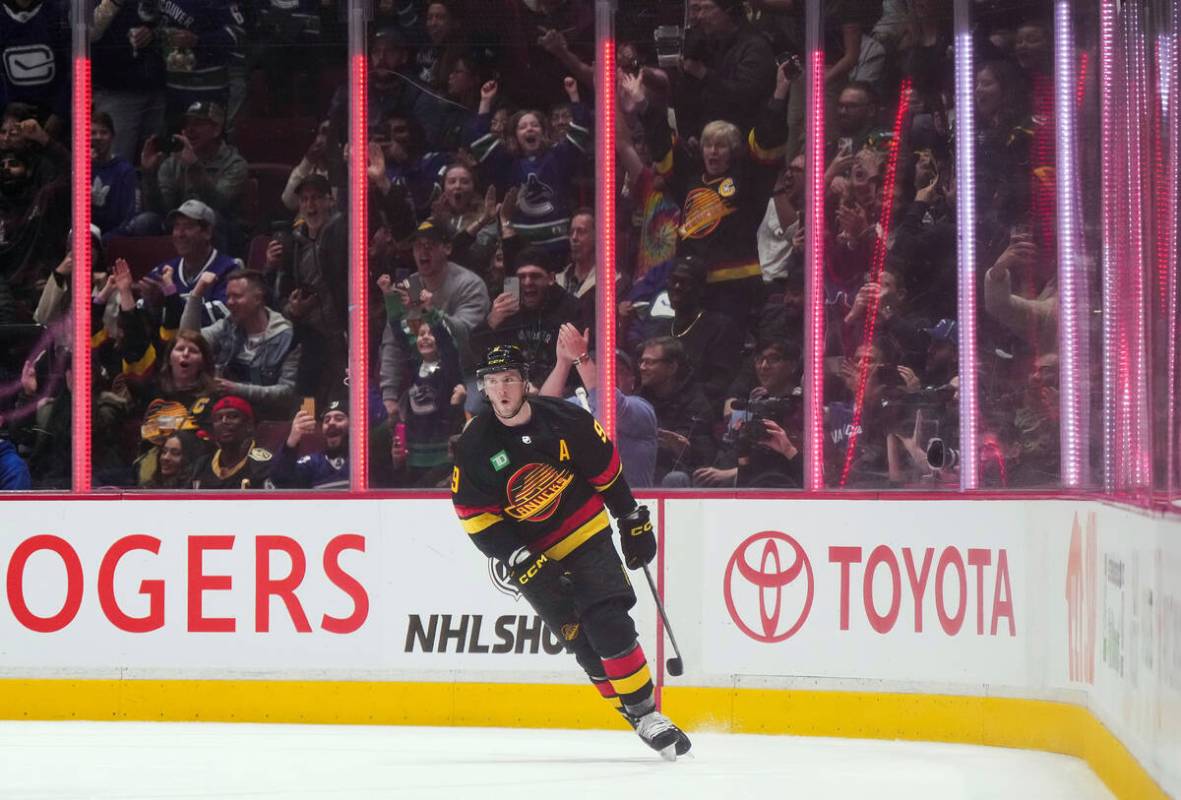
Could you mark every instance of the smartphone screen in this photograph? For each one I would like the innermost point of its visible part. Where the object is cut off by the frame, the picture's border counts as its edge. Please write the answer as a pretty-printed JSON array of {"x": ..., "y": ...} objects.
[
  {"x": 513, "y": 286},
  {"x": 308, "y": 406}
]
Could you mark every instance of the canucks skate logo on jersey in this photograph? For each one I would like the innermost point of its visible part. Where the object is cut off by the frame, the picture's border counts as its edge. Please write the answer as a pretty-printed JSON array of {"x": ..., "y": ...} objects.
[
  {"x": 535, "y": 490},
  {"x": 501, "y": 579},
  {"x": 29, "y": 65}
]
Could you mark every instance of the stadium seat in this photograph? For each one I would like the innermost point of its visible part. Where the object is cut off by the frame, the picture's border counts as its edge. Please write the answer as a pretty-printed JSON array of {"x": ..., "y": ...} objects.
[
  {"x": 256, "y": 253},
  {"x": 141, "y": 252},
  {"x": 248, "y": 209},
  {"x": 272, "y": 180},
  {"x": 274, "y": 139}
]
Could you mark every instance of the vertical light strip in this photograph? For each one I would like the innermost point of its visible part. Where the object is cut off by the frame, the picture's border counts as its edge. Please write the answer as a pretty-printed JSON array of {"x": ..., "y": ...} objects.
[
  {"x": 1072, "y": 331},
  {"x": 877, "y": 264},
  {"x": 965, "y": 170},
  {"x": 358, "y": 250},
  {"x": 814, "y": 256},
  {"x": 605, "y": 211},
  {"x": 1137, "y": 298},
  {"x": 82, "y": 254},
  {"x": 1109, "y": 211},
  {"x": 1169, "y": 240}
]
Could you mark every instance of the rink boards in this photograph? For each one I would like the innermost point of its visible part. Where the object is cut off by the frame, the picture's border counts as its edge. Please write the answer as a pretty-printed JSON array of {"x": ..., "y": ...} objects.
[{"x": 1046, "y": 624}]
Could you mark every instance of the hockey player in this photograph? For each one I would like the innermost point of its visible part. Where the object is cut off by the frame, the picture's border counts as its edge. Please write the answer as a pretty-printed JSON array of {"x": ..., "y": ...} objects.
[{"x": 530, "y": 482}]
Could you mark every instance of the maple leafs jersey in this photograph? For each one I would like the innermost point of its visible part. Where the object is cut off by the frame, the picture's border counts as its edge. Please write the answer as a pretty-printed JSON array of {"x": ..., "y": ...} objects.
[
  {"x": 543, "y": 484},
  {"x": 35, "y": 55}
]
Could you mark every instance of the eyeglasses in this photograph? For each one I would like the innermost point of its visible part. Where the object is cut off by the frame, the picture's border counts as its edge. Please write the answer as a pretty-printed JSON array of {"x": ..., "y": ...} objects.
[
  {"x": 648, "y": 362},
  {"x": 770, "y": 359}
]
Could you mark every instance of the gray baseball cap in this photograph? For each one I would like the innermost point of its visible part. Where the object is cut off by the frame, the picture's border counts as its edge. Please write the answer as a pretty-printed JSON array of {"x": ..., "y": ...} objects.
[{"x": 193, "y": 209}]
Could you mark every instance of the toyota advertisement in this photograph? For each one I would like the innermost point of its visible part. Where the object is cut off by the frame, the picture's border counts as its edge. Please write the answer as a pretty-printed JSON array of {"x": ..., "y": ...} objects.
[{"x": 875, "y": 591}]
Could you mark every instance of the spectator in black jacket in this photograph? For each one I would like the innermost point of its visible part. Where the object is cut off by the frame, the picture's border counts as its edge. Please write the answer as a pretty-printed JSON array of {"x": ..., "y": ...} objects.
[
  {"x": 727, "y": 70},
  {"x": 711, "y": 340},
  {"x": 683, "y": 413},
  {"x": 532, "y": 320}
]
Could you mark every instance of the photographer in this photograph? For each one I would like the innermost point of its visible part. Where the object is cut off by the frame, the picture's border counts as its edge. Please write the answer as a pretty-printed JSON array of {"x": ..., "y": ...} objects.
[
  {"x": 757, "y": 450},
  {"x": 197, "y": 163},
  {"x": 727, "y": 68}
]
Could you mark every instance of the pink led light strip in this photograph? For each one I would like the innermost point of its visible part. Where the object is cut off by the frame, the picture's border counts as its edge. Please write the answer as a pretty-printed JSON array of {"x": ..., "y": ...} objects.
[
  {"x": 83, "y": 257},
  {"x": 875, "y": 271},
  {"x": 1170, "y": 242},
  {"x": 1139, "y": 422},
  {"x": 814, "y": 256},
  {"x": 1111, "y": 250},
  {"x": 605, "y": 213},
  {"x": 358, "y": 253}
]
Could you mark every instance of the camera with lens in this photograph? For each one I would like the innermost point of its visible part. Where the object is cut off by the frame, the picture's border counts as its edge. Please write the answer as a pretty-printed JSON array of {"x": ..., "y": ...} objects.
[
  {"x": 940, "y": 456},
  {"x": 898, "y": 406},
  {"x": 753, "y": 431}
]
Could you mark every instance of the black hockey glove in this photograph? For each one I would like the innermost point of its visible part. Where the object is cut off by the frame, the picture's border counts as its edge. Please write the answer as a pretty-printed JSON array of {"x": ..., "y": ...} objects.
[
  {"x": 522, "y": 565},
  {"x": 637, "y": 539}
]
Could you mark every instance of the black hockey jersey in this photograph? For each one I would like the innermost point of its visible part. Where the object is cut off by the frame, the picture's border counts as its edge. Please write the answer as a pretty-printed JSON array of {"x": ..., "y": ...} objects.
[
  {"x": 543, "y": 484},
  {"x": 252, "y": 472}
]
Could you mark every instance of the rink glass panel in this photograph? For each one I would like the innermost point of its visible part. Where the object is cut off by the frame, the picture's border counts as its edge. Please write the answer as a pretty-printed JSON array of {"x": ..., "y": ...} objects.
[
  {"x": 36, "y": 201},
  {"x": 272, "y": 84}
]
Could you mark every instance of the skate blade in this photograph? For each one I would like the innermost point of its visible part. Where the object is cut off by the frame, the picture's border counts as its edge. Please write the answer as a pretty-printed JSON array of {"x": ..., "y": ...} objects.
[{"x": 669, "y": 753}]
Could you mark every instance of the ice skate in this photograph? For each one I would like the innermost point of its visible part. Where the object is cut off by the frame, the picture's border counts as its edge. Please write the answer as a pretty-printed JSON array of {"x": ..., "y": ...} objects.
[{"x": 659, "y": 733}]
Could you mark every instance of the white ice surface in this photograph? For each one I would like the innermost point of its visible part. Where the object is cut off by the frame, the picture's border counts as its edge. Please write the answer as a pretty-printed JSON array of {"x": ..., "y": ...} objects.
[{"x": 136, "y": 761}]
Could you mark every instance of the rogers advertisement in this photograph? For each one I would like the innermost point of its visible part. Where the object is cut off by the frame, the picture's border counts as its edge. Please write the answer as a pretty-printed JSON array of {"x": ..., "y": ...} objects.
[
  {"x": 864, "y": 591},
  {"x": 217, "y": 588}
]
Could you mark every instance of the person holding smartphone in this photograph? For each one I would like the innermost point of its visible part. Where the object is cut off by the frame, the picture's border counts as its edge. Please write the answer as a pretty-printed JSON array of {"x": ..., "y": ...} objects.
[{"x": 530, "y": 311}]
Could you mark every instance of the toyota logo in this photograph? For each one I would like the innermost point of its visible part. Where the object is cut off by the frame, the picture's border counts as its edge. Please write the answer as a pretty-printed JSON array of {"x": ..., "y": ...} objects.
[{"x": 768, "y": 563}]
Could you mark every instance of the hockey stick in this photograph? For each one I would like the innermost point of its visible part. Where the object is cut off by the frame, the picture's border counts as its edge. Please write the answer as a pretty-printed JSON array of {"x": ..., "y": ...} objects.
[{"x": 675, "y": 665}]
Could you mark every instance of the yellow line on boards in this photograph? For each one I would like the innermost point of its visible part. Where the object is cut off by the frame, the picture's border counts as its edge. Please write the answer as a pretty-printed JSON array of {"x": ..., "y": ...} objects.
[{"x": 1001, "y": 722}]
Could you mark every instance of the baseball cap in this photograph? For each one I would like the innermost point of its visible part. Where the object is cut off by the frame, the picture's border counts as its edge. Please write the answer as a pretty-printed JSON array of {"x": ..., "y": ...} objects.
[
  {"x": 392, "y": 33},
  {"x": 429, "y": 230},
  {"x": 206, "y": 109},
  {"x": 193, "y": 209},
  {"x": 335, "y": 405},
  {"x": 943, "y": 331},
  {"x": 315, "y": 181}
]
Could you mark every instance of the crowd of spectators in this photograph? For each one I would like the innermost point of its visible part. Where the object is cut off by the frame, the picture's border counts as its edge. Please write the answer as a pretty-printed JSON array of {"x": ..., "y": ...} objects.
[{"x": 219, "y": 143}]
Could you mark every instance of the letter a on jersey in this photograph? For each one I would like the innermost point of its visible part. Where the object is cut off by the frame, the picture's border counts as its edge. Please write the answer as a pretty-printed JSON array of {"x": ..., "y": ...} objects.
[{"x": 563, "y": 451}]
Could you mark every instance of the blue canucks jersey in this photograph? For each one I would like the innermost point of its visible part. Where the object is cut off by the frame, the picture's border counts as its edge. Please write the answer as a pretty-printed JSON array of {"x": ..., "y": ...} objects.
[{"x": 35, "y": 55}]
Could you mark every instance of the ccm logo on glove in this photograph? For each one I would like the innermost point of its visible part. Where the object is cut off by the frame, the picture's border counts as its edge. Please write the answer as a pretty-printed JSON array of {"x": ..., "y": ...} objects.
[{"x": 638, "y": 540}]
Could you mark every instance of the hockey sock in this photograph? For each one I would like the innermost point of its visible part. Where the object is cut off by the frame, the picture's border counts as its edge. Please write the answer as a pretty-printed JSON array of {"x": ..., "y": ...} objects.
[
  {"x": 607, "y": 691},
  {"x": 629, "y": 677}
]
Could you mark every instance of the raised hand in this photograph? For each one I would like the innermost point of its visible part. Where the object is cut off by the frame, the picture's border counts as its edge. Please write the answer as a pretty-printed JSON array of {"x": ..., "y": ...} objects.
[
  {"x": 633, "y": 97},
  {"x": 205, "y": 283},
  {"x": 303, "y": 424},
  {"x": 571, "y": 87},
  {"x": 488, "y": 94},
  {"x": 122, "y": 276}
]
